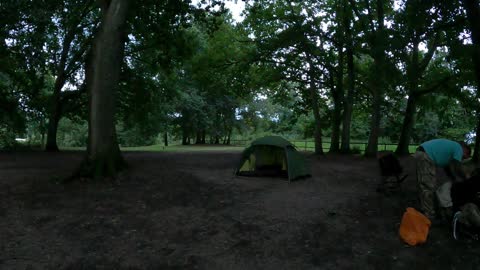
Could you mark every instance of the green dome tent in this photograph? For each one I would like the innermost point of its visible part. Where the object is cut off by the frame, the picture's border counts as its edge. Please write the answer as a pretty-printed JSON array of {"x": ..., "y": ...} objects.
[{"x": 272, "y": 156}]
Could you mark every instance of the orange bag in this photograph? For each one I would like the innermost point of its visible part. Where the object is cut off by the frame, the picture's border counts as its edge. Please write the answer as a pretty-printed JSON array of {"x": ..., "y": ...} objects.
[{"x": 414, "y": 227}]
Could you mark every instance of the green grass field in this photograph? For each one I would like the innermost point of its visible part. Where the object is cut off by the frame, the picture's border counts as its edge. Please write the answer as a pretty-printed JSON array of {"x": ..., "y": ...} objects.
[
  {"x": 239, "y": 146},
  {"x": 310, "y": 146},
  {"x": 172, "y": 148}
]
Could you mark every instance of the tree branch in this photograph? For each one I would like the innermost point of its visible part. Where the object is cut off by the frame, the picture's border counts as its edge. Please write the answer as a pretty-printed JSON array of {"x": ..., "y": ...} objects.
[
  {"x": 434, "y": 87},
  {"x": 432, "y": 46}
]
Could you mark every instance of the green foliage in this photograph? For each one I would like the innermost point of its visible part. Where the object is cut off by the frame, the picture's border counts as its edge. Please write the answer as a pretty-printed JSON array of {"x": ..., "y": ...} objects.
[
  {"x": 72, "y": 133},
  {"x": 189, "y": 71},
  {"x": 7, "y": 137}
]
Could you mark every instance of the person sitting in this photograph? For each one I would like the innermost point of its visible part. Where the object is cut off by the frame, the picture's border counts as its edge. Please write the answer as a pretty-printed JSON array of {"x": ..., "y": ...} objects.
[{"x": 435, "y": 153}]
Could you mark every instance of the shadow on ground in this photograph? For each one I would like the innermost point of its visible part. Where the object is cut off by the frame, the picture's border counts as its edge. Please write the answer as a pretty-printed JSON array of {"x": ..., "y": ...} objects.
[{"x": 188, "y": 211}]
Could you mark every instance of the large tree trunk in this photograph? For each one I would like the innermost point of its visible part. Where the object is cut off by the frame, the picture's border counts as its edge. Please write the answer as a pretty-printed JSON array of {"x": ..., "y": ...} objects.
[
  {"x": 52, "y": 129},
  {"x": 316, "y": 116},
  {"x": 55, "y": 112},
  {"x": 415, "y": 70},
  {"x": 103, "y": 157},
  {"x": 337, "y": 93},
  {"x": 89, "y": 72},
  {"x": 372, "y": 146},
  {"x": 473, "y": 12},
  {"x": 407, "y": 126},
  {"x": 337, "y": 103},
  {"x": 165, "y": 138},
  {"x": 348, "y": 101},
  {"x": 378, "y": 53},
  {"x": 318, "y": 130},
  {"x": 55, "y": 102},
  {"x": 413, "y": 76}
]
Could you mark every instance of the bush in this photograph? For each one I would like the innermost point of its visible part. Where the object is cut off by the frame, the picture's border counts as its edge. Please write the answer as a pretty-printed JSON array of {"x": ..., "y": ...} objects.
[
  {"x": 72, "y": 133},
  {"x": 7, "y": 138}
]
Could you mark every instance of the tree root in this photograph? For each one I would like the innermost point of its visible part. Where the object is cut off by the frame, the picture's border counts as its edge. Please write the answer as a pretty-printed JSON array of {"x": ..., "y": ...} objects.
[{"x": 98, "y": 169}]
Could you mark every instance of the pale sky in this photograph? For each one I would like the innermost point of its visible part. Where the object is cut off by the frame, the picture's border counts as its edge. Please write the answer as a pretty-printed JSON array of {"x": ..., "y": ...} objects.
[{"x": 235, "y": 6}]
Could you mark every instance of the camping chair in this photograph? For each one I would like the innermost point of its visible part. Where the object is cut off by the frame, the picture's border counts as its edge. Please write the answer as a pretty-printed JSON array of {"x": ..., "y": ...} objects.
[{"x": 391, "y": 172}]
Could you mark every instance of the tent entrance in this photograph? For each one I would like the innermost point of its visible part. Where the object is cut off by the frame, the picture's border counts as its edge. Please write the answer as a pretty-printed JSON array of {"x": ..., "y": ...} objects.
[{"x": 265, "y": 160}]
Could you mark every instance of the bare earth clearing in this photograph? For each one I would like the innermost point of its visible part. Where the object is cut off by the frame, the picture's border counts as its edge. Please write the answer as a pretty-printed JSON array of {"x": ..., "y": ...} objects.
[{"x": 188, "y": 211}]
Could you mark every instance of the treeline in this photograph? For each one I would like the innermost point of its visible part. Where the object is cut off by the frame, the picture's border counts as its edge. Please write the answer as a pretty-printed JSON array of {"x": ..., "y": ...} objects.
[{"x": 119, "y": 71}]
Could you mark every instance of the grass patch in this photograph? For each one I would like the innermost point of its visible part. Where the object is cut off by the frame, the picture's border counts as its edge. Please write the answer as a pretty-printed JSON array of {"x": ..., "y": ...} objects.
[
  {"x": 301, "y": 145},
  {"x": 171, "y": 148},
  {"x": 357, "y": 146}
]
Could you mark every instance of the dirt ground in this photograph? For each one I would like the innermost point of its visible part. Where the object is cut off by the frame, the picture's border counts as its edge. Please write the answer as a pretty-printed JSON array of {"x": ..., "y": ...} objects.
[{"x": 188, "y": 211}]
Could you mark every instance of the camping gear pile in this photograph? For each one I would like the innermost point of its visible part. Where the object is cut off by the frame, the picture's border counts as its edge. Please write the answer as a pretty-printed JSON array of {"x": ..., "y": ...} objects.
[{"x": 391, "y": 171}]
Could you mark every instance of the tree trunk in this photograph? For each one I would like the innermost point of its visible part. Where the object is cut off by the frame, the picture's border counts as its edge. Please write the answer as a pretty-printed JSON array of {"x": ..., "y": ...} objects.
[
  {"x": 348, "y": 100},
  {"x": 407, "y": 127},
  {"x": 185, "y": 129},
  {"x": 372, "y": 146},
  {"x": 473, "y": 12},
  {"x": 316, "y": 116},
  {"x": 337, "y": 103},
  {"x": 184, "y": 138},
  {"x": 43, "y": 138},
  {"x": 62, "y": 69},
  {"x": 413, "y": 77},
  {"x": 204, "y": 134},
  {"x": 378, "y": 53},
  {"x": 165, "y": 138},
  {"x": 476, "y": 147},
  {"x": 55, "y": 102},
  {"x": 337, "y": 89},
  {"x": 89, "y": 72},
  {"x": 198, "y": 137},
  {"x": 55, "y": 109},
  {"x": 103, "y": 157},
  {"x": 229, "y": 136},
  {"x": 51, "y": 145}
]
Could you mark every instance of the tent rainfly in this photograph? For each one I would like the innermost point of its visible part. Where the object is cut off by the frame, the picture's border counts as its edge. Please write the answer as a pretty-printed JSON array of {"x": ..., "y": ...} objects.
[{"x": 272, "y": 156}]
